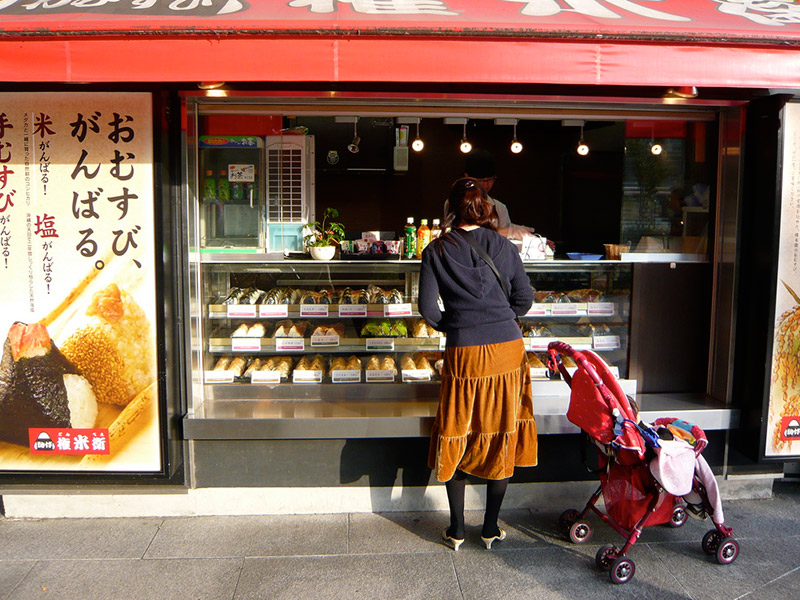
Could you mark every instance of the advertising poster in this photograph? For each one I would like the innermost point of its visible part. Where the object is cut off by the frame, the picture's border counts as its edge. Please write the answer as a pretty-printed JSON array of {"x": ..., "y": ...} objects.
[
  {"x": 78, "y": 372},
  {"x": 783, "y": 420}
]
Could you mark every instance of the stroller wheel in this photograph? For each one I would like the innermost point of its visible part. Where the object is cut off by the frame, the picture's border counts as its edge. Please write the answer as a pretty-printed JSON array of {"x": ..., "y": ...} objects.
[
  {"x": 711, "y": 541},
  {"x": 622, "y": 570},
  {"x": 568, "y": 517},
  {"x": 679, "y": 516},
  {"x": 605, "y": 556},
  {"x": 727, "y": 551},
  {"x": 580, "y": 532}
]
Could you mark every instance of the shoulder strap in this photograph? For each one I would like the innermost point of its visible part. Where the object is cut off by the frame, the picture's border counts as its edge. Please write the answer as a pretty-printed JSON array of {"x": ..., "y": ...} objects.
[{"x": 470, "y": 239}]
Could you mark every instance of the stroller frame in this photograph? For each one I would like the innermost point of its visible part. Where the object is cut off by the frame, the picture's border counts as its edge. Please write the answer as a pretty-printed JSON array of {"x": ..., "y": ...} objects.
[{"x": 621, "y": 568}]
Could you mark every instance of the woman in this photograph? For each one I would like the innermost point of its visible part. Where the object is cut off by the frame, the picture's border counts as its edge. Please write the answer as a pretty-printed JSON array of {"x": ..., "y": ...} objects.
[{"x": 484, "y": 426}]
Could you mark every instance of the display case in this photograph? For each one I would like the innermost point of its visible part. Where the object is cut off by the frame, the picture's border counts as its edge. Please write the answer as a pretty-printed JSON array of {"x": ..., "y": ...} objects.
[{"x": 342, "y": 343}]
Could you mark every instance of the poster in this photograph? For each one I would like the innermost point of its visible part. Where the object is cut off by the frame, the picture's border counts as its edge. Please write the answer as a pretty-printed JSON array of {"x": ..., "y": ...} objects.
[
  {"x": 78, "y": 375},
  {"x": 783, "y": 419}
]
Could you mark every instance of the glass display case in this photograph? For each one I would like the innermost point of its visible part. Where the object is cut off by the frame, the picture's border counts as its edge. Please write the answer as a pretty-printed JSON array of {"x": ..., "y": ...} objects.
[{"x": 304, "y": 339}]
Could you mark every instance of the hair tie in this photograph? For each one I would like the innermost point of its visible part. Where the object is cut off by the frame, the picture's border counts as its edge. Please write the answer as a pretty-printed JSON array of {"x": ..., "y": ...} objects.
[{"x": 469, "y": 184}]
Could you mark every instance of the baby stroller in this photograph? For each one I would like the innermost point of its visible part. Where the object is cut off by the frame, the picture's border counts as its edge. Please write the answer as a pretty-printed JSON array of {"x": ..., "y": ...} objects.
[{"x": 634, "y": 497}]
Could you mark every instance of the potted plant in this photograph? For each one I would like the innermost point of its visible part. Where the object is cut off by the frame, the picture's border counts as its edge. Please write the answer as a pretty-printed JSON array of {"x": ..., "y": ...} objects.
[{"x": 324, "y": 236}]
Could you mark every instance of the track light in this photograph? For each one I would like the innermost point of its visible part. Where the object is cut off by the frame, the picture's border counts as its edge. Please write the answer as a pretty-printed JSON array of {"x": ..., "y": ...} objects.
[
  {"x": 686, "y": 92},
  {"x": 655, "y": 148},
  {"x": 465, "y": 146},
  {"x": 417, "y": 145},
  {"x": 353, "y": 146},
  {"x": 583, "y": 147},
  {"x": 516, "y": 145}
]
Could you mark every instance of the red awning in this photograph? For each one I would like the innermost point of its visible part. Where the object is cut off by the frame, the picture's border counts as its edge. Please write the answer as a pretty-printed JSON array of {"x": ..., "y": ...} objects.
[{"x": 737, "y": 43}]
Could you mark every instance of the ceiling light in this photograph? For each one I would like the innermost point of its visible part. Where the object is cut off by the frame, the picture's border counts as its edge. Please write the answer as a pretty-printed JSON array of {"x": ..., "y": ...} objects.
[
  {"x": 210, "y": 85},
  {"x": 417, "y": 145},
  {"x": 656, "y": 149},
  {"x": 516, "y": 145},
  {"x": 353, "y": 146},
  {"x": 688, "y": 92},
  {"x": 583, "y": 147},
  {"x": 465, "y": 146}
]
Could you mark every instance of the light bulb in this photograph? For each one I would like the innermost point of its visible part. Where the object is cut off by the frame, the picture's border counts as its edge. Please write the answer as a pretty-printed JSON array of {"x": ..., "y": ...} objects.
[
  {"x": 583, "y": 148},
  {"x": 656, "y": 149},
  {"x": 516, "y": 146},
  {"x": 417, "y": 145},
  {"x": 465, "y": 147}
]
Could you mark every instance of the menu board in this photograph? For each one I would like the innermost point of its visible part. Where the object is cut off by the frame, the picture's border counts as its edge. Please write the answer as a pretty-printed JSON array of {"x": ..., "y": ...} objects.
[
  {"x": 783, "y": 417},
  {"x": 78, "y": 376}
]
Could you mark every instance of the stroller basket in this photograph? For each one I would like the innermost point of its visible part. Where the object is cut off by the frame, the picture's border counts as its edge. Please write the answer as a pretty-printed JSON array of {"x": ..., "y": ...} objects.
[{"x": 635, "y": 466}]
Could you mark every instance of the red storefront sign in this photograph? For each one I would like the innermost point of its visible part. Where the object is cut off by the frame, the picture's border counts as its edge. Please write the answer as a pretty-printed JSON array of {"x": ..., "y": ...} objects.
[{"x": 68, "y": 441}]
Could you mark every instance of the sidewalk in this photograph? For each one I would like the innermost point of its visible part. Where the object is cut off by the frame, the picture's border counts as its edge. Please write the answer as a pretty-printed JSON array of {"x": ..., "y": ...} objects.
[{"x": 391, "y": 555}]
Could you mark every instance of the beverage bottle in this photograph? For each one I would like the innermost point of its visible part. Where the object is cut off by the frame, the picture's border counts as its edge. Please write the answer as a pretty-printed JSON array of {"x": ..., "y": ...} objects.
[
  {"x": 436, "y": 230},
  {"x": 423, "y": 236},
  {"x": 209, "y": 187},
  {"x": 223, "y": 187},
  {"x": 410, "y": 239},
  {"x": 237, "y": 191}
]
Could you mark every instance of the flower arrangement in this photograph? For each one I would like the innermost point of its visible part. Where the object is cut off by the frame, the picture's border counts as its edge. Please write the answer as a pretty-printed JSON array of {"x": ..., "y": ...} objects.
[{"x": 324, "y": 233}]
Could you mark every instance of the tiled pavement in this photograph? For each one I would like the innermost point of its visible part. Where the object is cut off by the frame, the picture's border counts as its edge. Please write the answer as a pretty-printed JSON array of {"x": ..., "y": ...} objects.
[{"x": 391, "y": 555}]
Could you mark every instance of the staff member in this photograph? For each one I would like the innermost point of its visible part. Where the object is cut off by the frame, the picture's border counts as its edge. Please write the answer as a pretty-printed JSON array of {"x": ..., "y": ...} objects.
[
  {"x": 484, "y": 425},
  {"x": 479, "y": 167}
]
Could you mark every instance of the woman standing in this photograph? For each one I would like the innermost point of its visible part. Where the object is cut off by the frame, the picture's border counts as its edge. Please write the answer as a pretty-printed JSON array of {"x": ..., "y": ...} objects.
[{"x": 484, "y": 426}]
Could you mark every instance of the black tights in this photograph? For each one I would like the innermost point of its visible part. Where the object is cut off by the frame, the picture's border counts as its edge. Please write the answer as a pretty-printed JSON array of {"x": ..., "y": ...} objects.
[{"x": 495, "y": 491}]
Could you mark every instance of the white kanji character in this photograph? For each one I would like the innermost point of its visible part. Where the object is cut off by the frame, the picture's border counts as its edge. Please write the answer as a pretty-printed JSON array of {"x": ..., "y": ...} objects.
[
  {"x": 594, "y": 8},
  {"x": 98, "y": 442},
  {"x": 378, "y": 7},
  {"x": 63, "y": 442},
  {"x": 764, "y": 12},
  {"x": 81, "y": 442}
]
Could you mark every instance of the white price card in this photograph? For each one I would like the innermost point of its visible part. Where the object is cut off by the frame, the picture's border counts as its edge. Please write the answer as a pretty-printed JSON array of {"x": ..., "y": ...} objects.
[
  {"x": 307, "y": 376},
  {"x": 605, "y": 342},
  {"x": 415, "y": 375},
  {"x": 538, "y": 343},
  {"x": 537, "y": 310},
  {"x": 397, "y": 310},
  {"x": 265, "y": 377},
  {"x": 325, "y": 340},
  {"x": 273, "y": 311},
  {"x": 600, "y": 309},
  {"x": 313, "y": 310},
  {"x": 383, "y": 344},
  {"x": 218, "y": 377},
  {"x": 243, "y": 344},
  {"x": 564, "y": 310},
  {"x": 538, "y": 373},
  {"x": 442, "y": 343},
  {"x": 241, "y": 310},
  {"x": 352, "y": 310},
  {"x": 290, "y": 344},
  {"x": 379, "y": 375},
  {"x": 345, "y": 376}
]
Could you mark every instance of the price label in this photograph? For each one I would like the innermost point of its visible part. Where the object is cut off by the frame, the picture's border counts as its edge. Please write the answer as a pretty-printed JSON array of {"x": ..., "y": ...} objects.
[
  {"x": 397, "y": 310},
  {"x": 538, "y": 373},
  {"x": 265, "y": 377},
  {"x": 307, "y": 376},
  {"x": 345, "y": 376},
  {"x": 325, "y": 340},
  {"x": 352, "y": 310},
  {"x": 273, "y": 311},
  {"x": 218, "y": 377},
  {"x": 442, "y": 343},
  {"x": 538, "y": 343},
  {"x": 379, "y": 375},
  {"x": 564, "y": 310},
  {"x": 600, "y": 309},
  {"x": 605, "y": 342},
  {"x": 313, "y": 310},
  {"x": 247, "y": 311},
  {"x": 243, "y": 344},
  {"x": 537, "y": 310},
  {"x": 415, "y": 375},
  {"x": 383, "y": 344},
  {"x": 290, "y": 344}
]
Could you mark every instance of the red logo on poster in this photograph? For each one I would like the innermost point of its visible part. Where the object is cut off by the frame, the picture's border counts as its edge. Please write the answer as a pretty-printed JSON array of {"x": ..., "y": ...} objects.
[
  {"x": 68, "y": 441},
  {"x": 790, "y": 428}
]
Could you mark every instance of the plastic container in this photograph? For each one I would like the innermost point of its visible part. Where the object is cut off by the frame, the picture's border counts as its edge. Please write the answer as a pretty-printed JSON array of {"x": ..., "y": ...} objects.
[
  {"x": 436, "y": 230},
  {"x": 209, "y": 187},
  {"x": 423, "y": 236},
  {"x": 410, "y": 239},
  {"x": 223, "y": 187}
]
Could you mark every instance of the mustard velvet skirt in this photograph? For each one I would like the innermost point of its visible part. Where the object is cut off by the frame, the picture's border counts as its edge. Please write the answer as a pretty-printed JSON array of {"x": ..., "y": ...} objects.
[{"x": 484, "y": 425}]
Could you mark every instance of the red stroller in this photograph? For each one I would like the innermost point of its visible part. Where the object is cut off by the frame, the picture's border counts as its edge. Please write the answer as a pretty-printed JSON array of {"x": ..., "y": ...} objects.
[{"x": 633, "y": 497}]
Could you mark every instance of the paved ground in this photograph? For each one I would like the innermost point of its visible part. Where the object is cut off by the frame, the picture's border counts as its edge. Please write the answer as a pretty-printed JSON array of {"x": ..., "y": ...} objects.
[{"x": 390, "y": 555}]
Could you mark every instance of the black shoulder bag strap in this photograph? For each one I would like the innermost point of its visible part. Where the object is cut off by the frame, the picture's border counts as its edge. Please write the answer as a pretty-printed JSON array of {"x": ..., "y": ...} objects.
[{"x": 470, "y": 239}]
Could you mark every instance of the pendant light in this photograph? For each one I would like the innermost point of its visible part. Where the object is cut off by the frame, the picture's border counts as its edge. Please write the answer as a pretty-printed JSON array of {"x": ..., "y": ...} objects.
[
  {"x": 417, "y": 145},
  {"x": 583, "y": 147},
  {"x": 353, "y": 146},
  {"x": 465, "y": 146}
]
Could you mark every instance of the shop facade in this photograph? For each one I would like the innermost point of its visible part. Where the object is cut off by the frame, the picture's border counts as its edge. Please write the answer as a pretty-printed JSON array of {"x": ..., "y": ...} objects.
[{"x": 686, "y": 314}]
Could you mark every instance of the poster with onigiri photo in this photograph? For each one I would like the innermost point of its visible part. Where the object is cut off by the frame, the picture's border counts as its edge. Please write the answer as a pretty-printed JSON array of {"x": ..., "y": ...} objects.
[
  {"x": 78, "y": 371},
  {"x": 783, "y": 417}
]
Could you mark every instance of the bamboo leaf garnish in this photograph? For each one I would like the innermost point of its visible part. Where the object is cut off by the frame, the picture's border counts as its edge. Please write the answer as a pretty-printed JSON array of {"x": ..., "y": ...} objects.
[{"x": 791, "y": 291}]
